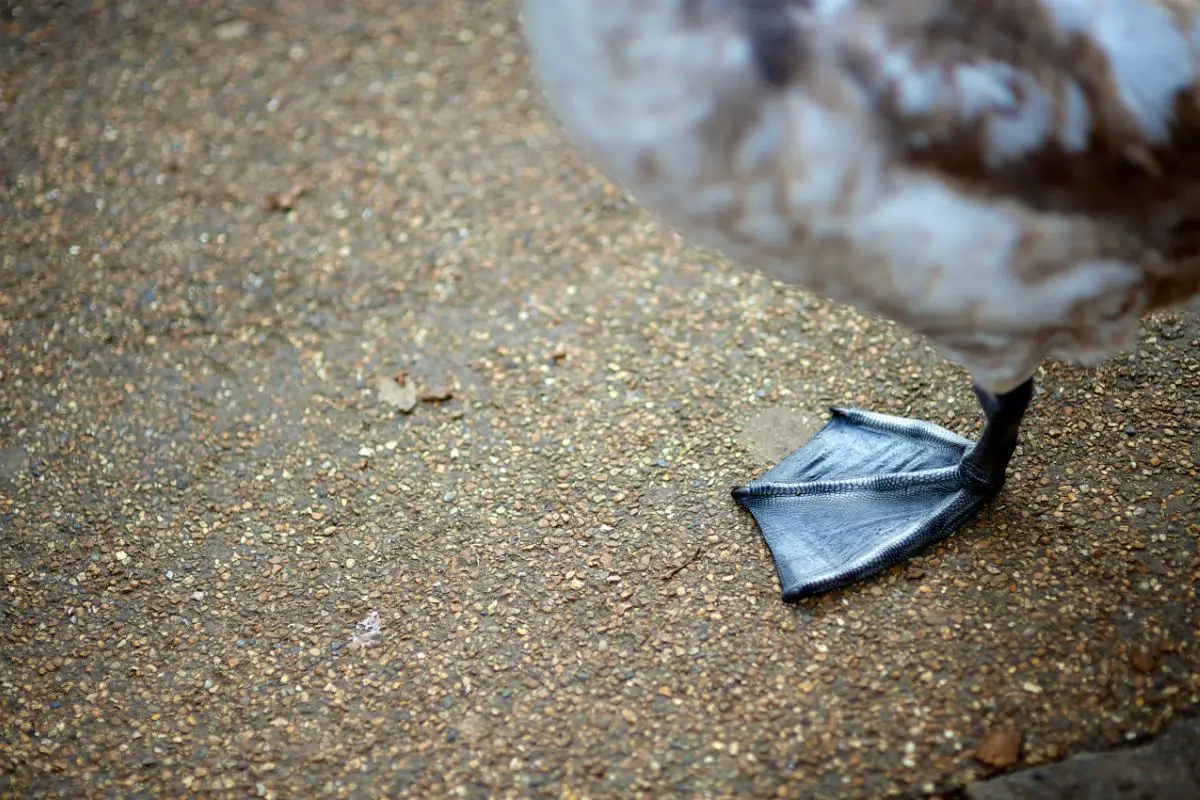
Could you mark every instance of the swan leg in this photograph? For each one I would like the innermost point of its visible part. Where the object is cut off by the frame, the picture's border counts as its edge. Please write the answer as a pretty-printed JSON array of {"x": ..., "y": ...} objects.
[{"x": 869, "y": 490}]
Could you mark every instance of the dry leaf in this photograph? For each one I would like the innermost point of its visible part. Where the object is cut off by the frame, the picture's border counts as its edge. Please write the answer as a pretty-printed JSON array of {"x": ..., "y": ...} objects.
[
  {"x": 397, "y": 391},
  {"x": 437, "y": 394},
  {"x": 1143, "y": 661},
  {"x": 286, "y": 201},
  {"x": 1000, "y": 748}
]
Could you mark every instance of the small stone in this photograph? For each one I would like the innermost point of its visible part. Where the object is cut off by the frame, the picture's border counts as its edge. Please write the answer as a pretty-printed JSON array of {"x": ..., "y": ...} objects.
[{"x": 234, "y": 29}]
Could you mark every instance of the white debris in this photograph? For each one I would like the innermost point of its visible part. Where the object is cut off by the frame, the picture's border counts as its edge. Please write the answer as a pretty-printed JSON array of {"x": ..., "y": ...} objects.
[{"x": 366, "y": 630}]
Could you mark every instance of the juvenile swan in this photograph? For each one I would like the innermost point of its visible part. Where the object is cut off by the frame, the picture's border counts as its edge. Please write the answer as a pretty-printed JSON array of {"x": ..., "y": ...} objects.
[{"x": 1013, "y": 179}]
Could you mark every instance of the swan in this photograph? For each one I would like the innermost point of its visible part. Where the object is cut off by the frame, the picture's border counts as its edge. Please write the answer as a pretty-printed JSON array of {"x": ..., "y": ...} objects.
[{"x": 1012, "y": 179}]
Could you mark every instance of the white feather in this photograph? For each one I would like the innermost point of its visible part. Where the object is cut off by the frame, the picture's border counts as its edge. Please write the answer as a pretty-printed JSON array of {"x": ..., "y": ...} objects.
[{"x": 1150, "y": 57}]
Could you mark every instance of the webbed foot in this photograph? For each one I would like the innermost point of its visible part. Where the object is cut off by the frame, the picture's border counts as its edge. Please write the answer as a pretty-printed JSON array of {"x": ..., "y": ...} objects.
[{"x": 870, "y": 490}]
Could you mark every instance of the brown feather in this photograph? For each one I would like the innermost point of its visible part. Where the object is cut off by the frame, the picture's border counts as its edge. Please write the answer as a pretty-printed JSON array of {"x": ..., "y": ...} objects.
[{"x": 1146, "y": 194}]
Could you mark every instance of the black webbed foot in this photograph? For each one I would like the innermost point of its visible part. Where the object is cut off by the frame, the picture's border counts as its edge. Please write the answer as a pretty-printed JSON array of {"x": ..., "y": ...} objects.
[{"x": 870, "y": 490}]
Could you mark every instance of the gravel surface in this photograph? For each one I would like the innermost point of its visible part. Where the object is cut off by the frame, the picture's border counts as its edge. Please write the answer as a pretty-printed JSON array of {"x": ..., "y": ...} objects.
[
  {"x": 356, "y": 437},
  {"x": 1165, "y": 769}
]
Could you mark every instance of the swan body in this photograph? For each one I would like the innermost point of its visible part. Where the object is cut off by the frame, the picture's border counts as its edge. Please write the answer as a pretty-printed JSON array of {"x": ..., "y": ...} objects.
[{"x": 1014, "y": 179}]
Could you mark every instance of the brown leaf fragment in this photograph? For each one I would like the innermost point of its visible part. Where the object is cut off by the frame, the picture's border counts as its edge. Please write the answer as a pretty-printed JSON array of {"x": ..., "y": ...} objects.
[
  {"x": 436, "y": 394},
  {"x": 1000, "y": 748},
  {"x": 286, "y": 201},
  {"x": 397, "y": 391},
  {"x": 1143, "y": 661}
]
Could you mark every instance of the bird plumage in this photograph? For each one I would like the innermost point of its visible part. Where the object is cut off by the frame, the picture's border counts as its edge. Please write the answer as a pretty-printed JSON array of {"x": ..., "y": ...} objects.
[{"x": 1014, "y": 179}]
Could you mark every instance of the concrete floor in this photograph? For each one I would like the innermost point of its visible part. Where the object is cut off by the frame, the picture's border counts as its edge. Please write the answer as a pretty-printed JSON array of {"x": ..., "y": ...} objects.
[{"x": 225, "y": 230}]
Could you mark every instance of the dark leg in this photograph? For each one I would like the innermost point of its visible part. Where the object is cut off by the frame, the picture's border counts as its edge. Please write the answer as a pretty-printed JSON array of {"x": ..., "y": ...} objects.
[
  {"x": 870, "y": 490},
  {"x": 987, "y": 461}
]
